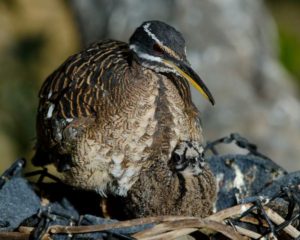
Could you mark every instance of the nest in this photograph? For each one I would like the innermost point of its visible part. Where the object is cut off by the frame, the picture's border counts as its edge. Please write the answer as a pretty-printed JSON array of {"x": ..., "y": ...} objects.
[
  {"x": 244, "y": 221},
  {"x": 272, "y": 213}
]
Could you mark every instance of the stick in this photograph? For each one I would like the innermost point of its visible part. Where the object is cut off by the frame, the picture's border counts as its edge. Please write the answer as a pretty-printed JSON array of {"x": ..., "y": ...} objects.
[
  {"x": 175, "y": 227},
  {"x": 277, "y": 219},
  {"x": 229, "y": 212},
  {"x": 14, "y": 236},
  {"x": 102, "y": 227}
]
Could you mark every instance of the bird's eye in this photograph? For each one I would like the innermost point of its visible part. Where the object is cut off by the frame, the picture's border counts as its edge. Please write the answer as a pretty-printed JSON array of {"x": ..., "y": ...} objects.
[{"x": 158, "y": 49}]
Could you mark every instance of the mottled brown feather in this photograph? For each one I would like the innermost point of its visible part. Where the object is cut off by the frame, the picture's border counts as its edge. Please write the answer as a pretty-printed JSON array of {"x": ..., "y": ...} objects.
[{"x": 76, "y": 87}]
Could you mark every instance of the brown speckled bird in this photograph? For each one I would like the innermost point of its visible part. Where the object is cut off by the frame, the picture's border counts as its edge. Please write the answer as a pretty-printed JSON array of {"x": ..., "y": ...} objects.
[{"x": 118, "y": 119}]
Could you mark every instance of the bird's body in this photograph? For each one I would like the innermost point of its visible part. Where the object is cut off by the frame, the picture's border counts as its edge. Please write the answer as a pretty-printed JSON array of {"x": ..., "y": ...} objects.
[{"x": 105, "y": 117}]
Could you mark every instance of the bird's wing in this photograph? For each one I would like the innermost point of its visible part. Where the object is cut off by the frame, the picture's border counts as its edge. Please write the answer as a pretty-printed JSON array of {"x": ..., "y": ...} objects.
[{"x": 73, "y": 93}]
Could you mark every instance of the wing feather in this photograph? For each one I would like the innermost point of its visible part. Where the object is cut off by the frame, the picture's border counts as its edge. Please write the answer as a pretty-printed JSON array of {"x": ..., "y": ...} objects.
[{"x": 74, "y": 91}]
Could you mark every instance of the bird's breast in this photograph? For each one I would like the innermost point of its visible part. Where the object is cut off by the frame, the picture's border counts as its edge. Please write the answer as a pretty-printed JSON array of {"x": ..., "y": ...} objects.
[
  {"x": 148, "y": 120},
  {"x": 117, "y": 147}
]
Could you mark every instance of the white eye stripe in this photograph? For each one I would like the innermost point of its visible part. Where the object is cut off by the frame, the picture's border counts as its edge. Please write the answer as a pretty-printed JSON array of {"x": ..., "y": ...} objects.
[
  {"x": 165, "y": 48},
  {"x": 144, "y": 55},
  {"x": 149, "y": 57},
  {"x": 150, "y": 34}
]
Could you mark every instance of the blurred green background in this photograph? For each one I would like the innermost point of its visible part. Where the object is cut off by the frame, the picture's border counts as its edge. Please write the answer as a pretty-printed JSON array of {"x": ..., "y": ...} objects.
[
  {"x": 287, "y": 16},
  {"x": 37, "y": 35}
]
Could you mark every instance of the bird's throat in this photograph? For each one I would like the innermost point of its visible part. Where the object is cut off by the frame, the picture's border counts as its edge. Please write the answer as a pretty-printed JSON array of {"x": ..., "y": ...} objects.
[{"x": 183, "y": 88}]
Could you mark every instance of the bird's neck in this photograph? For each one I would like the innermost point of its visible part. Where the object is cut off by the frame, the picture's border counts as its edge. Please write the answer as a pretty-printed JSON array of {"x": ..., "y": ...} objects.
[{"x": 181, "y": 84}]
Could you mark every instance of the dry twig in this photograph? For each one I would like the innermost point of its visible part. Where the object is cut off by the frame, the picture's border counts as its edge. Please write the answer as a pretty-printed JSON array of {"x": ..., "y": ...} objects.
[
  {"x": 102, "y": 227},
  {"x": 174, "y": 229},
  {"x": 170, "y": 227}
]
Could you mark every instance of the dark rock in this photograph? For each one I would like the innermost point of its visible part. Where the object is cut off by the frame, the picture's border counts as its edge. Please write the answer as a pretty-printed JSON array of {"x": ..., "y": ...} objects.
[
  {"x": 17, "y": 202},
  {"x": 239, "y": 176},
  {"x": 284, "y": 181}
]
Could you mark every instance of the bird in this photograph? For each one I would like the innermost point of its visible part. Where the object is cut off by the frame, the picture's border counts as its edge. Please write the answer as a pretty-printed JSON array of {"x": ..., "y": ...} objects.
[{"x": 118, "y": 118}]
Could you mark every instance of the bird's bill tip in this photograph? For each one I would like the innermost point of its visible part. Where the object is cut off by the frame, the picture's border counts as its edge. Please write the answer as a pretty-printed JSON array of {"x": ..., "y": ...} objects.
[{"x": 206, "y": 94}]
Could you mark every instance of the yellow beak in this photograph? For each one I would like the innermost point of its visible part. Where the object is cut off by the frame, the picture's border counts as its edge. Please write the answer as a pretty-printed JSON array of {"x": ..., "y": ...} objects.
[{"x": 188, "y": 73}]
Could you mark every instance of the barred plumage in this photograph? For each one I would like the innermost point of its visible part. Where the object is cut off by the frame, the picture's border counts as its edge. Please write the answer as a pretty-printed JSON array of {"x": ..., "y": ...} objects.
[{"x": 114, "y": 114}]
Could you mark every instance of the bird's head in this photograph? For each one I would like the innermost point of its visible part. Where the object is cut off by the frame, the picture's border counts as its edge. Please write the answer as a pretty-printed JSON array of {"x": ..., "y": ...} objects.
[{"x": 161, "y": 47}]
